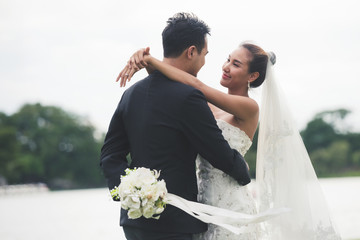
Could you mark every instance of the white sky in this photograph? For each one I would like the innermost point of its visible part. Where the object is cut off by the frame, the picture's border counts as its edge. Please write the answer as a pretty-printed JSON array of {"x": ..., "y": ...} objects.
[{"x": 68, "y": 52}]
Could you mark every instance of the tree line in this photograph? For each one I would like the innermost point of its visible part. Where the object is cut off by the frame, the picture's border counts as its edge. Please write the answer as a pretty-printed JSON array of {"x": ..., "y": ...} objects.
[{"x": 49, "y": 145}]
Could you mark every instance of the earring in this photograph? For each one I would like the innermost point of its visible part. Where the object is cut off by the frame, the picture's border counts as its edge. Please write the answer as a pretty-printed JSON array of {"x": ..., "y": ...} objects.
[{"x": 248, "y": 85}]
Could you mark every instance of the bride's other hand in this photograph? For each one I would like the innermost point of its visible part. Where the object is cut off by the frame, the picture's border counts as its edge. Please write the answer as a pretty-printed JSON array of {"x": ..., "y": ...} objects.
[{"x": 136, "y": 62}]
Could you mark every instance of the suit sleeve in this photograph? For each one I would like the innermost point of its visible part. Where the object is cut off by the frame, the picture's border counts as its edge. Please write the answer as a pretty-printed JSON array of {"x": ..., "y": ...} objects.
[
  {"x": 114, "y": 151},
  {"x": 202, "y": 131}
]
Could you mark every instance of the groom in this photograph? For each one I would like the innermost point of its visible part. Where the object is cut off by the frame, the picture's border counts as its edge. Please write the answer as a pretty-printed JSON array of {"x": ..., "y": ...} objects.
[{"x": 164, "y": 125}]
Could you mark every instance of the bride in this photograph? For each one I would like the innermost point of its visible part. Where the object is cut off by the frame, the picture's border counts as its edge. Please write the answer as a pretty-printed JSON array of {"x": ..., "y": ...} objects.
[{"x": 285, "y": 176}]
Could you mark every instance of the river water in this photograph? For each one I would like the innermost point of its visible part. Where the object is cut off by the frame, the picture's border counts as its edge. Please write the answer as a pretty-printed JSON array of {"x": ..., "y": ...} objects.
[{"x": 92, "y": 215}]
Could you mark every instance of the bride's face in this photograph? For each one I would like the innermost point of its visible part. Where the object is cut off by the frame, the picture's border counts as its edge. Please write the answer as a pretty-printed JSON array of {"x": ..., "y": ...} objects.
[{"x": 236, "y": 69}]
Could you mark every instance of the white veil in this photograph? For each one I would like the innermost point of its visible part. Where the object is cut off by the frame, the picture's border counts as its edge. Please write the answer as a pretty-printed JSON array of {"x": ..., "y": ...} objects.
[{"x": 285, "y": 176}]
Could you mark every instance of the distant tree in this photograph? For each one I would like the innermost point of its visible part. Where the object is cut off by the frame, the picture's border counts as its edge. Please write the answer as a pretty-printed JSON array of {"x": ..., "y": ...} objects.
[
  {"x": 332, "y": 148},
  {"x": 318, "y": 134},
  {"x": 55, "y": 147},
  {"x": 325, "y": 128},
  {"x": 331, "y": 160},
  {"x": 9, "y": 146}
]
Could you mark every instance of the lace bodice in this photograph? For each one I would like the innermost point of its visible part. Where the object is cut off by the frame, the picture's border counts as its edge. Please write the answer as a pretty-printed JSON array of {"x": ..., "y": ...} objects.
[
  {"x": 236, "y": 138},
  {"x": 216, "y": 188}
]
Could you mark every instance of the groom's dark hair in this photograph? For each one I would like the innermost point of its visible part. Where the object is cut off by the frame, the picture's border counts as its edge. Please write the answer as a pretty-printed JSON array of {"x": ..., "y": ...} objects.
[{"x": 182, "y": 31}]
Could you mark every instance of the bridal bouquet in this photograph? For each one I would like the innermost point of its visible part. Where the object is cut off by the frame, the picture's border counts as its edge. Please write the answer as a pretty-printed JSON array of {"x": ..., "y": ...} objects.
[{"x": 141, "y": 193}]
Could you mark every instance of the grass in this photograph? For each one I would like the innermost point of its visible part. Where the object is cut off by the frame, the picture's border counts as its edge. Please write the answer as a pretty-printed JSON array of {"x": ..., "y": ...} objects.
[{"x": 348, "y": 173}]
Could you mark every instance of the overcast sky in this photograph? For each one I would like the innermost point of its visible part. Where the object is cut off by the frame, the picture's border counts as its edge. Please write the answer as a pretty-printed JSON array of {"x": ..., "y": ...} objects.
[{"x": 68, "y": 53}]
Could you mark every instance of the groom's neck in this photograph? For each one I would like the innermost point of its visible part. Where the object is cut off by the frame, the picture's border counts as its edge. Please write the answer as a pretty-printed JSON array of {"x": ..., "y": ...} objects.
[{"x": 177, "y": 62}]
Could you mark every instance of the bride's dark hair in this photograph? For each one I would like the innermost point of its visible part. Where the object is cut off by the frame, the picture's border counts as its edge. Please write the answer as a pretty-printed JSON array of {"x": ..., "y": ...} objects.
[{"x": 259, "y": 62}]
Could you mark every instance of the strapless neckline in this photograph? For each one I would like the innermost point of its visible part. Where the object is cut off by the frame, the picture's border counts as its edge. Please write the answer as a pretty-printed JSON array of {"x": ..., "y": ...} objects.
[{"x": 241, "y": 132}]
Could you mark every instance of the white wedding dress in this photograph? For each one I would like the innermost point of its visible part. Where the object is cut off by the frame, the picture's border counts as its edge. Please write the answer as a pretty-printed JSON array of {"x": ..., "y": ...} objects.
[{"x": 219, "y": 189}]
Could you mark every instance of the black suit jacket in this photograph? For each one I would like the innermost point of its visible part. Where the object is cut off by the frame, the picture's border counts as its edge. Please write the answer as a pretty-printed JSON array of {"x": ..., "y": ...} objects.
[{"x": 164, "y": 125}]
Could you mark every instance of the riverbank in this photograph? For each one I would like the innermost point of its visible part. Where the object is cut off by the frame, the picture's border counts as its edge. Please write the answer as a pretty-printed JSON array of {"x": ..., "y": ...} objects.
[{"x": 23, "y": 189}]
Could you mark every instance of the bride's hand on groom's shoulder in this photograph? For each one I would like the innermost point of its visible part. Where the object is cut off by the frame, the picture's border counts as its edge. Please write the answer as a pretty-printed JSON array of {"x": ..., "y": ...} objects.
[{"x": 136, "y": 62}]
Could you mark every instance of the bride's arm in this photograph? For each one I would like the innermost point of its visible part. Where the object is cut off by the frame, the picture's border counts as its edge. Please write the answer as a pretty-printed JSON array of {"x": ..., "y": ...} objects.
[{"x": 239, "y": 106}]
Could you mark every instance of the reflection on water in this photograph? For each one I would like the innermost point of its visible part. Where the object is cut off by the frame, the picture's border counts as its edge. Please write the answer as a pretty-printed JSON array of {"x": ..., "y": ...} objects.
[{"x": 92, "y": 215}]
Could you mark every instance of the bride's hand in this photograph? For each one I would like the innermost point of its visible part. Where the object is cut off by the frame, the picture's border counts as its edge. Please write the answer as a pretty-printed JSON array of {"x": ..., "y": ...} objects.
[{"x": 137, "y": 61}]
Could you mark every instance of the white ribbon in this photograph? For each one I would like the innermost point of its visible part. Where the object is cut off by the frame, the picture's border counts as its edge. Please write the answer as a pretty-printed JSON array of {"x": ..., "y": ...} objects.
[{"x": 230, "y": 220}]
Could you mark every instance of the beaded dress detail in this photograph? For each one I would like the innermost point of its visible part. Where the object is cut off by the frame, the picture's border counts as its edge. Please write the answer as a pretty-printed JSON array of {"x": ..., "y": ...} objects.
[{"x": 218, "y": 189}]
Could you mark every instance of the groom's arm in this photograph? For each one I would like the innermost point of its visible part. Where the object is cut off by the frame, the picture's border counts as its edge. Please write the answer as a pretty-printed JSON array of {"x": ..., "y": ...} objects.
[
  {"x": 202, "y": 131},
  {"x": 114, "y": 151}
]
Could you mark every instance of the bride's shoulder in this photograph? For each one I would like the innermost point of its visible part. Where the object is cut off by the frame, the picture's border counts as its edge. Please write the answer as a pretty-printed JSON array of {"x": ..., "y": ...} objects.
[
  {"x": 244, "y": 108},
  {"x": 252, "y": 105}
]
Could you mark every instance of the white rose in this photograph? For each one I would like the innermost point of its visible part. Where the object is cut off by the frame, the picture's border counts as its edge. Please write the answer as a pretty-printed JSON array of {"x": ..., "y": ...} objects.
[
  {"x": 159, "y": 210},
  {"x": 148, "y": 210},
  {"x": 124, "y": 192},
  {"x": 131, "y": 202},
  {"x": 134, "y": 213},
  {"x": 146, "y": 176},
  {"x": 126, "y": 187},
  {"x": 161, "y": 186},
  {"x": 144, "y": 201},
  {"x": 150, "y": 192},
  {"x": 130, "y": 180}
]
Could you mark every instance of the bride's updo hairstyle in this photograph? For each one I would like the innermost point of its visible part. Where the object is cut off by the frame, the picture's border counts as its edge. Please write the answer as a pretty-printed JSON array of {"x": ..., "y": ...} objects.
[{"x": 259, "y": 62}]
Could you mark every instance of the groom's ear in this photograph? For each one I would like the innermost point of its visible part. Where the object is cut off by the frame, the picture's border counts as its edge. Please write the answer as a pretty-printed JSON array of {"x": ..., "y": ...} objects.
[{"x": 190, "y": 51}]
